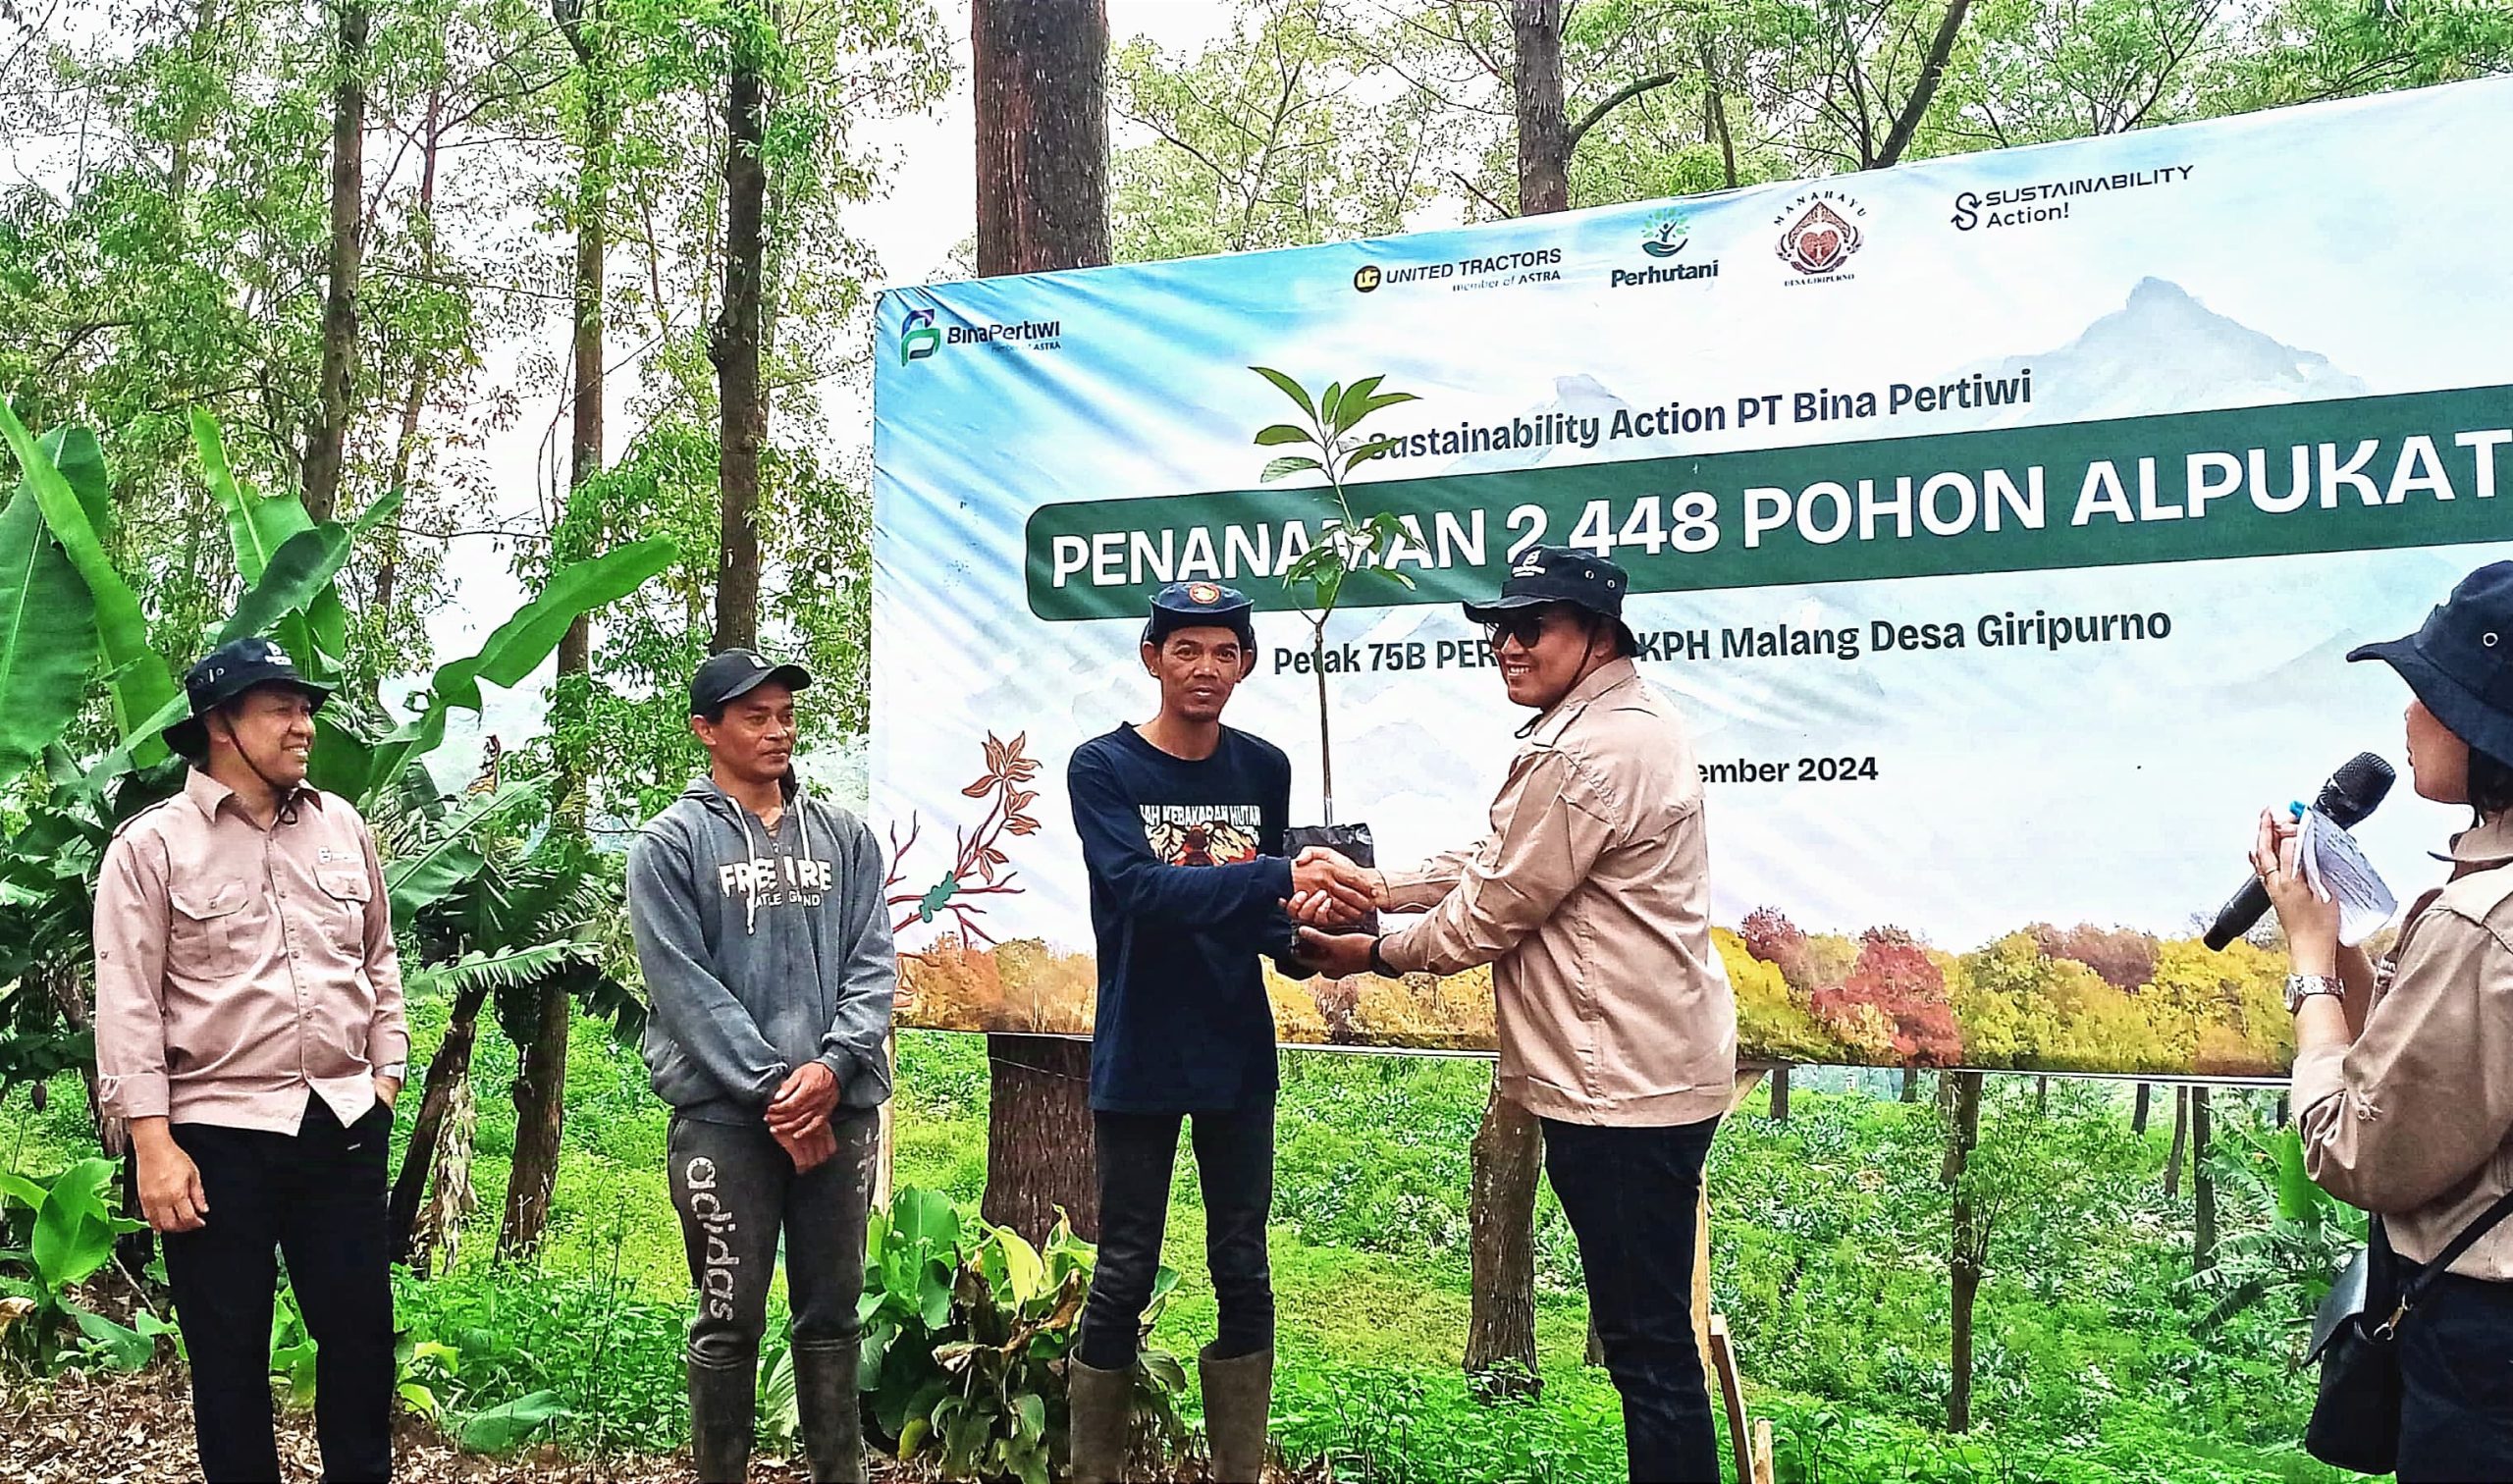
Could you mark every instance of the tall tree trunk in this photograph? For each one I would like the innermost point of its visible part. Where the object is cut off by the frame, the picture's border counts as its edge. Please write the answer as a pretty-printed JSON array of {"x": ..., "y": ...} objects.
[
  {"x": 540, "y": 1111},
  {"x": 733, "y": 345},
  {"x": 1715, "y": 109},
  {"x": 2041, "y": 1096},
  {"x": 2180, "y": 1140},
  {"x": 1508, "y": 1154},
  {"x": 1536, "y": 87},
  {"x": 330, "y": 431},
  {"x": 1506, "y": 1160},
  {"x": 388, "y": 561},
  {"x": 1780, "y": 1094},
  {"x": 450, "y": 1066},
  {"x": 2138, "y": 1110},
  {"x": 1932, "y": 71},
  {"x": 187, "y": 125},
  {"x": 1911, "y": 1092},
  {"x": 2203, "y": 1188},
  {"x": 1969, "y": 1247},
  {"x": 1039, "y": 76},
  {"x": 580, "y": 20}
]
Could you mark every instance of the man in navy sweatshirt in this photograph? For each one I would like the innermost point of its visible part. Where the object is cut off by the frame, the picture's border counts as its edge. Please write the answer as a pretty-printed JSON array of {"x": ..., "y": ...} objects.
[
  {"x": 766, "y": 945},
  {"x": 1182, "y": 822}
]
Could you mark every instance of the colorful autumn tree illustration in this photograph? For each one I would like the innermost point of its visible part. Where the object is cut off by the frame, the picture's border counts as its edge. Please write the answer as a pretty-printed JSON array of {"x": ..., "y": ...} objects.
[
  {"x": 1895, "y": 988},
  {"x": 980, "y": 865}
]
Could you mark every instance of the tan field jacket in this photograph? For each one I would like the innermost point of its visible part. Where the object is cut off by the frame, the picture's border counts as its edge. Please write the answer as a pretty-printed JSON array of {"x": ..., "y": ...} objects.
[
  {"x": 2415, "y": 1121},
  {"x": 1591, "y": 900}
]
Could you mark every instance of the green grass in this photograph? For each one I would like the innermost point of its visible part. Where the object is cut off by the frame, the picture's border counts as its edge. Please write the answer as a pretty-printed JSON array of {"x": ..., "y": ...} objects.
[{"x": 1829, "y": 1264}]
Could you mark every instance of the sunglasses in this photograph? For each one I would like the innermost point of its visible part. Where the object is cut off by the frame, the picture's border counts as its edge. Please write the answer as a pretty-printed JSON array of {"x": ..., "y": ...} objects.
[{"x": 1526, "y": 627}]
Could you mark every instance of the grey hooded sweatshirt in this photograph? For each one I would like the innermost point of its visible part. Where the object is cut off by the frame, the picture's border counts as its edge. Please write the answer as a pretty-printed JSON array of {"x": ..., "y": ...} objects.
[{"x": 761, "y": 952}]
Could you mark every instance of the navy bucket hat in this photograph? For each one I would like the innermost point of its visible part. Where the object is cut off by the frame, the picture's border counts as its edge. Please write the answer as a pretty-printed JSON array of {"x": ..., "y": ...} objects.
[{"x": 2460, "y": 663}]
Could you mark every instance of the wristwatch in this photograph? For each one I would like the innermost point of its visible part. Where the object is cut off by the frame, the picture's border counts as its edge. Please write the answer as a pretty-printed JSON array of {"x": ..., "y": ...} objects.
[
  {"x": 1378, "y": 959},
  {"x": 2303, "y": 986}
]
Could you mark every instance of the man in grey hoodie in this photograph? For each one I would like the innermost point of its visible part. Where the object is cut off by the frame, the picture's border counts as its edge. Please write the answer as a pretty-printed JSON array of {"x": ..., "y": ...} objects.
[{"x": 766, "y": 944}]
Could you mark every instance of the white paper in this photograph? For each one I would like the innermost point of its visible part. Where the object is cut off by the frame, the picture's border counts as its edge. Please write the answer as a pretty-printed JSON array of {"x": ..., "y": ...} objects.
[{"x": 2335, "y": 869}]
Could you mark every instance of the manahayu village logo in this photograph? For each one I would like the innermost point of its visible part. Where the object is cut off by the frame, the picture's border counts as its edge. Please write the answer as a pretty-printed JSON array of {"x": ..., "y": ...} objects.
[
  {"x": 920, "y": 337},
  {"x": 1666, "y": 240},
  {"x": 1820, "y": 232}
]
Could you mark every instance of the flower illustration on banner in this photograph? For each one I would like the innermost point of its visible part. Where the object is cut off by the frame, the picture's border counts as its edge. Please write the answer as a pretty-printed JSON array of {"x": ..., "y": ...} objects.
[{"x": 980, "y": 865}]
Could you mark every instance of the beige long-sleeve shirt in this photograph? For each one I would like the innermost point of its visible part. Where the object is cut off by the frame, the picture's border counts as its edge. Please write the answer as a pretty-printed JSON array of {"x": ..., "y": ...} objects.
[
  {"x": 2415, "y": 1121},
  {"x": 1591, "y": 900},
  {"x": 237, "y": 967}
]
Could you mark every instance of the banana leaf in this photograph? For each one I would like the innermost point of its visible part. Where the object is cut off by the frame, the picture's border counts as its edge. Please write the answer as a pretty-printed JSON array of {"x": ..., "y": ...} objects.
[
  {"x": 261, "y": 527},
  {"x": 47, "y": 629},
  {"x": 516, "y": 650},
  {"x": 138, "y": 677}
]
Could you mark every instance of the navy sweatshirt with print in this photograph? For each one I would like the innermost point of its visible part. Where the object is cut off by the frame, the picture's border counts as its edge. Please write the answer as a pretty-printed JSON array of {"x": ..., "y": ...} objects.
[{"x": 1188, "y": 878}]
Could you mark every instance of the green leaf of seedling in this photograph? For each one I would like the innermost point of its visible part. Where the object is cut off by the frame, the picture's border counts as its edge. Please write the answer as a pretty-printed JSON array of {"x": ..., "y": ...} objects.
[
  {"x": 1284, "y": 433},
  {"x": 1288, "y": 387},
  {"x": 1292, "y": 465}
]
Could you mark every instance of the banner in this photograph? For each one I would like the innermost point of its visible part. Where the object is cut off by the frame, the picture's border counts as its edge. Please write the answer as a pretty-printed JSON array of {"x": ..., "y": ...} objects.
[{"x": 2000, "y": 526}]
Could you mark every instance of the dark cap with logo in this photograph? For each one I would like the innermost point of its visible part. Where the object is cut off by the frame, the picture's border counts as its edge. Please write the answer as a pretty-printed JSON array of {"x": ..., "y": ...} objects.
[
  {"x": 1201, "y": 605},
  {"x": 736, "y": 672},
  {"x": 2460, "y": 663},
  {"x": 225, "y": 673}
]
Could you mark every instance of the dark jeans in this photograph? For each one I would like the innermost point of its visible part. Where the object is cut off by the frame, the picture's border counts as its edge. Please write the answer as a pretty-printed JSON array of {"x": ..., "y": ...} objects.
[
  {"x": 318, "y": 1200},
  {"x": 735, "y": 1188},
  {"x": 2456, "y": 1384},
  {"x": 1633, "y": 1196},
  {"x": 1235, "y": 1160}
]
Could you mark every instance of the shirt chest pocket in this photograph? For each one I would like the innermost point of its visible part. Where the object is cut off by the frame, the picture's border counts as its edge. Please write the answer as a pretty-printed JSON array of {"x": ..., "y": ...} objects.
[
  {"x": 343, "y": 902},
  {"x": 212, "y": 929}
]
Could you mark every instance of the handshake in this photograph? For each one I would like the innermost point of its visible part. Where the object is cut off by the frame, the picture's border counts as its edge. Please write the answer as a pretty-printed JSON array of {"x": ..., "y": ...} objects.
[{"x": 1331, "y": 894}]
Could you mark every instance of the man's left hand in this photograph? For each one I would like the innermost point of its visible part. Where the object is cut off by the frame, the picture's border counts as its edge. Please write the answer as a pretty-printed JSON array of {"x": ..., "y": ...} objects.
[
  {"x": 1339, "y": 955},
  {"x": 807, "y": 1095}
]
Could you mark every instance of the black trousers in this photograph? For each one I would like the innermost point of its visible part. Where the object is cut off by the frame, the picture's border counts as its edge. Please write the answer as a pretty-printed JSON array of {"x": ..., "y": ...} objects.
[
  {"x": 318, "y": 1200},
  {"x": 2456, "y": 1384},
  {"x": 1632, "y": 1196},
  {"x": 736, "y": 1189},
  {"x": 1138, "y": 1155}
]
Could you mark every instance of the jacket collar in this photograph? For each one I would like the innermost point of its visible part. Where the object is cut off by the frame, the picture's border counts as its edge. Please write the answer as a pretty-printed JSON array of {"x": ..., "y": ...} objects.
[
  {"x": 2489, "y": 843},
  {"x": 1602, "y": 682}
]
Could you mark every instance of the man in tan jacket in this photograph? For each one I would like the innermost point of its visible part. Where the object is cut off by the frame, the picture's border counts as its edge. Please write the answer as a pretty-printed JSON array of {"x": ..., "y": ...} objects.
[{"x": 1590, "y": 898}]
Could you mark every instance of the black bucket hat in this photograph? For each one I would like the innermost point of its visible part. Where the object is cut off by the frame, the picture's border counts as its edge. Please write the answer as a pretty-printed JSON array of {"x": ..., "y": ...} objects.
[
  {"x": 2460, "y": 663},
  {"x": 737, "y": 672},
  {"x": 1561, "y": 575},
  {"x": 223, "y": 675}
]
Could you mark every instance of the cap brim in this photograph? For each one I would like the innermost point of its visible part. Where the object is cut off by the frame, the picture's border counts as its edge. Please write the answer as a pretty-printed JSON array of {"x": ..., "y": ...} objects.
[
  {"x": 791, "y": 677},
  {"x": 1481, "y": 613},
  {"x": 190, "y": 737},
  {"x": 2461, "y": 711}
]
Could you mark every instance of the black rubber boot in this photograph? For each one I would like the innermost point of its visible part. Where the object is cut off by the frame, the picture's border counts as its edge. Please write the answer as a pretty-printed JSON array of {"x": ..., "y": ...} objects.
[
  {"x": 832, "y": 1411},
  {"x": 1103, "y": 1406},
  {"x": 724, "y": 1408},
  {"x": 1239, "y": 1397}
]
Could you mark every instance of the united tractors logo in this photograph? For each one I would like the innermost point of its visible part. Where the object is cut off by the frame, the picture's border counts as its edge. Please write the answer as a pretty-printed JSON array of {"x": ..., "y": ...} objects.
[
  {"x": 1822, "y": 235},
  {"x": 918, "y": 338},
  {"x": 1367, "y": 276}
]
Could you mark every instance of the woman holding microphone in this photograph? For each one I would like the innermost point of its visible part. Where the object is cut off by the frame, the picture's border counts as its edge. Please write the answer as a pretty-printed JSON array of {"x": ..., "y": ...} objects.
[{"x": 2403, "y": 1076}]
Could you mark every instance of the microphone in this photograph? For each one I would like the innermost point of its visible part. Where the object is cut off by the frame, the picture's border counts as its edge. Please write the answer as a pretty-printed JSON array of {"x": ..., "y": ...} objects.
[{"x": 2348, "y": 797}]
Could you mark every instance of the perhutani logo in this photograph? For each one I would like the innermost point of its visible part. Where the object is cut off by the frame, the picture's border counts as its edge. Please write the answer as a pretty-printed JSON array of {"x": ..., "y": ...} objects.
[
  {"x": 2052, "y": 200},
  {"x": 919, "y": 339},
  {"x": 1535, "y": 265},
  {"x": 1819, "y": 233},
  {"x": 1666, "y": 240}
]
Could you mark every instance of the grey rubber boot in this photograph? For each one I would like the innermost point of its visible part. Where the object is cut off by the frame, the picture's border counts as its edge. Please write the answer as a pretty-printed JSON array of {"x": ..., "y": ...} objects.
[
  {"x": 1103, "y": 1406},
  {"x": 724, "y": 1408},
  {"x": 1239, "y": 1397},
  {"x": 832, "y": 1411}
]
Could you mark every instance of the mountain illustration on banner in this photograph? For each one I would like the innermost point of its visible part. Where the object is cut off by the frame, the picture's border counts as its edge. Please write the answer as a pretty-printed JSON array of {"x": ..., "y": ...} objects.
[{"x": 2165, "y": 352}]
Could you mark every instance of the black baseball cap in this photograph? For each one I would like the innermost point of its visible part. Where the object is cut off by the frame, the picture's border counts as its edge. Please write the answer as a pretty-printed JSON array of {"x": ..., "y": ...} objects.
[
  {"x": 1201, "y": 605},
  {"x": 1560, "y": 574},
  {"x": 736, "y": 672},
  {"x": 223, "y": 675},
  {"x": 2460, "y": 662}
]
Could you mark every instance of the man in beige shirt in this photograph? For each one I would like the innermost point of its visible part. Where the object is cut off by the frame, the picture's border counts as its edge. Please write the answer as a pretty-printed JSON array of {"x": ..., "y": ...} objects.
[
  {"x": 248, "y": 1025},
  {"x": 1591, "y": 900}
]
